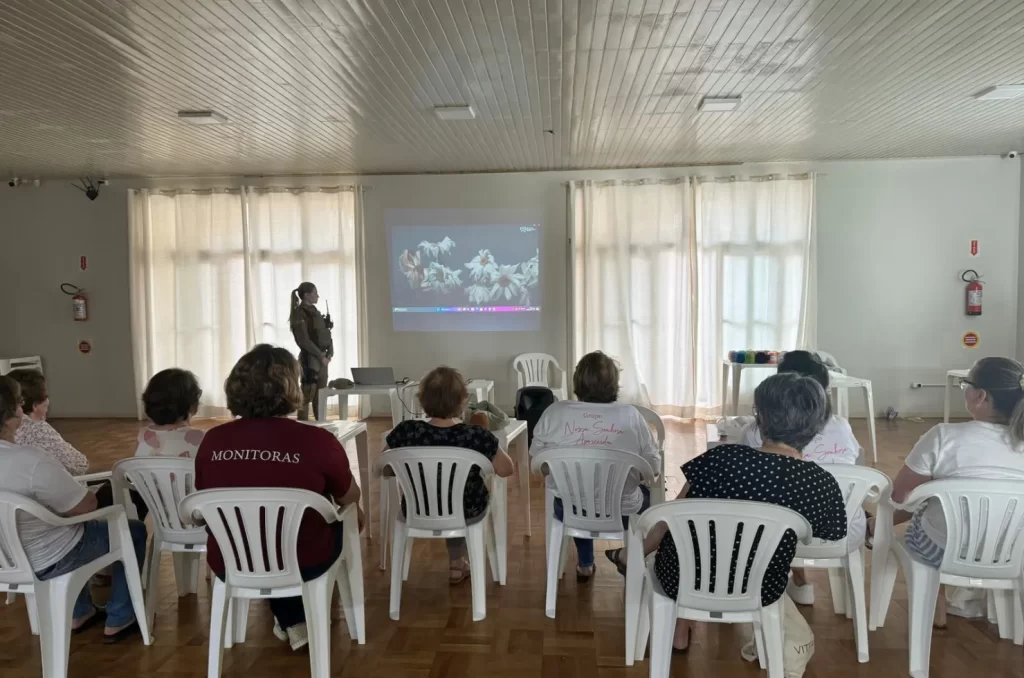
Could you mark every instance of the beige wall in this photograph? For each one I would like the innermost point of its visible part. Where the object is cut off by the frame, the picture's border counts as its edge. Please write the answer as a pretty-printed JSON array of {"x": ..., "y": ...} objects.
[
  {"x": 892, "y": 237},
  {"x": 45, "y": 231}
]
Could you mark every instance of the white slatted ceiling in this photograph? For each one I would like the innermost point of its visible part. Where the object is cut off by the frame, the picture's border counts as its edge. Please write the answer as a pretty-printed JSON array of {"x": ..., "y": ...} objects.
[{"x": 345, "y": 86}]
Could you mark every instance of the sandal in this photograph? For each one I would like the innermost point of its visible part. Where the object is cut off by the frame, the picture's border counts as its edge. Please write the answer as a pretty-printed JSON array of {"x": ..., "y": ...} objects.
[
  {"x": 614, "y": 556},
  {"x": 457, "y": 575},
  {"x": 97, "y": 616},
  {"x": 583, "y": 574}
]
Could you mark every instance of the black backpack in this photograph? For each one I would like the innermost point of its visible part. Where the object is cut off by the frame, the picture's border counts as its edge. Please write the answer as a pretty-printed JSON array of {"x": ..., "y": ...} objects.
[{"x": 531, "y": 401}]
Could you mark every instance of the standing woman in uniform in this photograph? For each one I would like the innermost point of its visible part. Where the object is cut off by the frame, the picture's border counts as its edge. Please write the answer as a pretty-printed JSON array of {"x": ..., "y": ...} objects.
[{"x": 316, "y": 348}]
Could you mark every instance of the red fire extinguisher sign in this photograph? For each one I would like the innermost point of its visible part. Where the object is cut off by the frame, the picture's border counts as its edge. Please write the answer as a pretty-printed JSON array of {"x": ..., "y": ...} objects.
[{"x": 973, "y": 292}]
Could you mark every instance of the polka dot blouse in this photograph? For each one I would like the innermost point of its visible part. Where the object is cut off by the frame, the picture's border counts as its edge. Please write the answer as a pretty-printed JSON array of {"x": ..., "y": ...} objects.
[{"x": 741, "y": 472}]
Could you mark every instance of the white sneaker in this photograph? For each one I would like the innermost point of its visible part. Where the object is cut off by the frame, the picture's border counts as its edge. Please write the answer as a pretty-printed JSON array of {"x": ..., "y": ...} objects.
[
  {"x": 296, "y": 636},
  {"x": 801, "y": 595}
]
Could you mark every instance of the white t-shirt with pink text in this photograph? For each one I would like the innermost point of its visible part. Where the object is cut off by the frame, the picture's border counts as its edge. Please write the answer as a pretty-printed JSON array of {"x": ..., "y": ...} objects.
[
  {"x": 615, "y": 426},
  {"x": 836, "y": 443}
]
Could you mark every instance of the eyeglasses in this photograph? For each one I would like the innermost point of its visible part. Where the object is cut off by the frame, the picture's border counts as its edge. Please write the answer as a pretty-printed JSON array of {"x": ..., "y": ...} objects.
[{"x": 966, "y": 384}]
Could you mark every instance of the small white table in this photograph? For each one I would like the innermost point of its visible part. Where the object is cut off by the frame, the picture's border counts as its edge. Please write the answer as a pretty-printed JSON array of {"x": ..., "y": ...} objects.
[
  {"x": 345, "y": 431},
  {"x": 952, "y": 375},
  {"x": 512, "y": 436},
  {"x": 484, "y": 389},
  {"x": 734, "y": 370}
]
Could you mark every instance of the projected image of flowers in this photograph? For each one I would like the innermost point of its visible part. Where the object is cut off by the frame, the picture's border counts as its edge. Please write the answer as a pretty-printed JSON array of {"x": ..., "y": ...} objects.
[{"x": 487, "y": 281}]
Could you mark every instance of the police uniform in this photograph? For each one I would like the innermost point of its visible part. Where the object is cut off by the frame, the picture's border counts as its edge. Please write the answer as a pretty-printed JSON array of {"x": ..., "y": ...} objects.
[{"x": 315, "y": 343}]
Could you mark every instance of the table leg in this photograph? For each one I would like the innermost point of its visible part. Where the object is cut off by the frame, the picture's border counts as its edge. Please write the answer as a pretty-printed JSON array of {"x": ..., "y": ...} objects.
[
  {"x": 363, "y": 454},
  {"x": 523, "y": 456},
  {"x": 945, "y": 408},
  {"x": 737, "y": 373},
  {"x": 500, "y": 499},
  {"x": 871, "y": 420},
  {"x": 322, "y": 397},
  {"x": 725, "y": 388}
]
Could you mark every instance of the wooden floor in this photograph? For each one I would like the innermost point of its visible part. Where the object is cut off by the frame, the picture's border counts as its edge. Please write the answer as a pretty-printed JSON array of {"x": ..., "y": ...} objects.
[{"x": 436, "y": 636}]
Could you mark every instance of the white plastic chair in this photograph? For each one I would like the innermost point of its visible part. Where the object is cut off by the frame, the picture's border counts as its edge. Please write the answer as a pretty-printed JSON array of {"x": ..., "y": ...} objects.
[
  {"x": 654, "y": 614},
  {"x": 243, "y": 517},
  {"x": 54, "y": 599},
  {"x": 654, "y": 419},
  {"x": 533, "y": 369},
  {"x": 163, "y": 482},
  {"x": 30, "y": 363},
  {"x": 589, "y": 481},
  {"x": 984, "y": 549},
  {"x": 89, "y": 479},
  {"x": 846, "y": 567},
  {"x": 433, "y": 482}
]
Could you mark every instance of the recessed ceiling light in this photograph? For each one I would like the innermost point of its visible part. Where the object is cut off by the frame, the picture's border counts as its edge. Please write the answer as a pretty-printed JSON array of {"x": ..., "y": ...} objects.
[
  {"x": 202, "y": 117},
  {"x": 455, "y": 112},
  {"x": 1000, "y": 92},
  {"x": 719, "y": 104}
]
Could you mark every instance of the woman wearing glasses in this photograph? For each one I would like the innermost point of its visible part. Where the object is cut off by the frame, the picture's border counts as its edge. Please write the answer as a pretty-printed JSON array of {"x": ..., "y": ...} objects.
[{"x": 989, "y": 446}]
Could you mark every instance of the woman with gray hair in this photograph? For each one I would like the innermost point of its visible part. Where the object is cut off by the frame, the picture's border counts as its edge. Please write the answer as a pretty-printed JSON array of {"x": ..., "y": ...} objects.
[{"x": 790, "y": 409}]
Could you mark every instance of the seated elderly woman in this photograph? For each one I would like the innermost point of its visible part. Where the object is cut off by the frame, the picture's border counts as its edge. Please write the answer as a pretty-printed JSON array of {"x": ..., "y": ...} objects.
[
  {"x": 791, "y": 410},
  {"x": 262, "y": 390},
  {"x": 35, "y": 431},
  {"x": 54, "y": 551},
  {"x": 991, "y": 445},
  {"x": 171, "y": 399},
  {"x": 835, "y": 444},
  {"x": 443, "y": 395},
  {"x": 597, "y": 420}
]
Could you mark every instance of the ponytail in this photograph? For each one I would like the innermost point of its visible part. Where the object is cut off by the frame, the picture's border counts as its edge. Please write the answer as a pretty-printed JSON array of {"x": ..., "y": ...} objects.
[
  {"x": 1003, "y": 380},
  {"x": 1016, "y": 424},
  {"x": 301, "y": 291}
]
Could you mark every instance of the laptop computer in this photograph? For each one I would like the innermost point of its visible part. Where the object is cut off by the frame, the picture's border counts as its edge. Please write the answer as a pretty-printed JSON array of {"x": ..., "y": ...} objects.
[{"x": 373, "y": 376}]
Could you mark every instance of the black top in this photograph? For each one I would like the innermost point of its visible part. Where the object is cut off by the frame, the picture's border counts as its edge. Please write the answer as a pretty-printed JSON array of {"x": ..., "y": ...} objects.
[
  {"x": 419, "y": 433},
  {"x": 743, "y": 473}
]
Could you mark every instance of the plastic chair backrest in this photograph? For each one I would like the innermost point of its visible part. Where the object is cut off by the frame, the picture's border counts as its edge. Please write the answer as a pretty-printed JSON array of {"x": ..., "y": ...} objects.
[
  {"x": 720, "y": 535},
  {"x": 830, "y": 362},
  {"x": 984, "y": 525},
  {"x": 257, "y": 530},
  {"x": 162, "y": 482},
  {"x": 532, "y": 369},
  {"x": 589, "y": 481},
  {"x": 14, "y": 564},
  {"x": 29, "y": 363},
  {"x": 433, "y": 482},
  {"x": 858, "y": 484},
  {"x": 654, "y": 419}
]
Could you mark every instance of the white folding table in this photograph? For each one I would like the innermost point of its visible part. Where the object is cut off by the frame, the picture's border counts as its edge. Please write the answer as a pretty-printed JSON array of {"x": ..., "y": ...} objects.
[
  {"x": 735, "y": 370},
  {"x": 951, "y": 375},
  {"x": 483, "y": 388},
  {"x": 346, "y": 431}
]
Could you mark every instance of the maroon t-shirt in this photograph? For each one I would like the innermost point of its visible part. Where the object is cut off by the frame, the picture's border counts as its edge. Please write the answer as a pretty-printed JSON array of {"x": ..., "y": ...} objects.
[{"x": 276, "y": 452}]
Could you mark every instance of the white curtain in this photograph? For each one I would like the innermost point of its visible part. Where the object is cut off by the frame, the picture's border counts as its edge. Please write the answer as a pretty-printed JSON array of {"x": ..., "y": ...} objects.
[
  {"x": 633, "y": 284},
  {"x": 671, "y": 275},
  {"x": 213, "y": 271}
]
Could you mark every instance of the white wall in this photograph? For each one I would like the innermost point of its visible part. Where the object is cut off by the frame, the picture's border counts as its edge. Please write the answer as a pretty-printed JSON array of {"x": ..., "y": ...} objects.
[
  {"x": 893, "y": 239},
  {"x": 45, "y": 231}
]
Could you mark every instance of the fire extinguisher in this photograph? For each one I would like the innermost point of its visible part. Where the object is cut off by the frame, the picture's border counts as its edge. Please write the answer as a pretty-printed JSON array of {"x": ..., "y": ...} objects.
[
  {"x": 973, "y": 281},
  {"x": 79, "y": 303}
]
